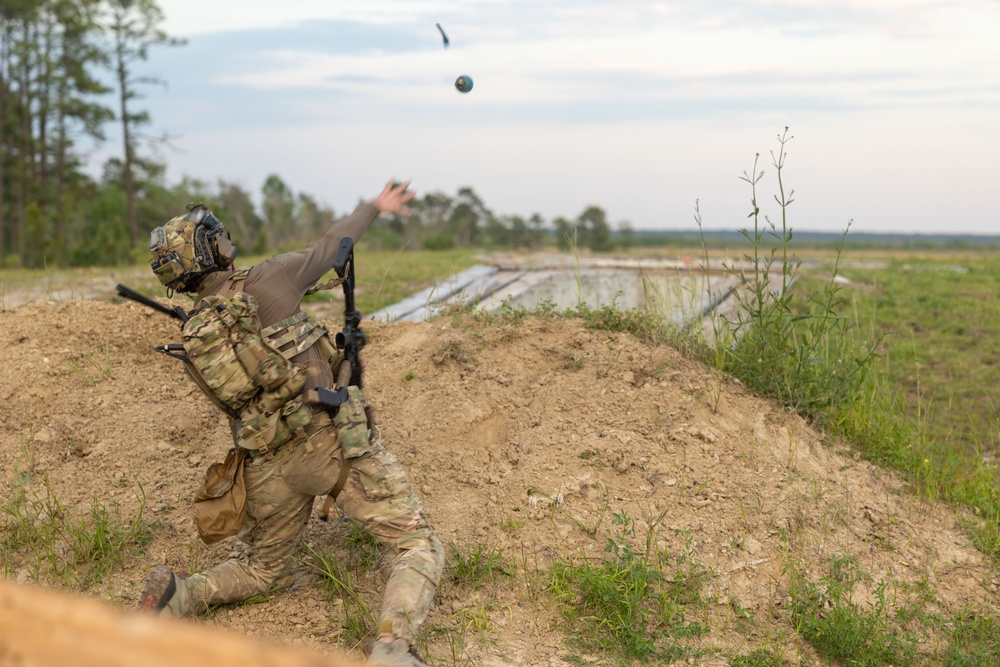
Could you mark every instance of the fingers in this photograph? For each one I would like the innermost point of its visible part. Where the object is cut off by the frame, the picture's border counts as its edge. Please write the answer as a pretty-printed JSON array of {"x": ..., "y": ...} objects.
[{"x": 394, "y": 197}]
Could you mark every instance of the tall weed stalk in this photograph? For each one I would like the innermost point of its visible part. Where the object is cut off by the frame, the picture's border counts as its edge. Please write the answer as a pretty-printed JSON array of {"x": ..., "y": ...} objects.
[{"x": 809, "y": 355}]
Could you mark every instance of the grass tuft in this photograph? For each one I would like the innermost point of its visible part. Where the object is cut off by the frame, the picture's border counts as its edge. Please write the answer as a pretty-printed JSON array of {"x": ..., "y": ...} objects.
[
  {"x": 476, "y": 564},
  {"x": 626, "y": 604}
]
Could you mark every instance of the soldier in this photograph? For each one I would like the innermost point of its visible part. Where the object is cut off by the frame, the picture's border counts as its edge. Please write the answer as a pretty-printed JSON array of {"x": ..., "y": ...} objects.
[{"x": 193, "y": 254}]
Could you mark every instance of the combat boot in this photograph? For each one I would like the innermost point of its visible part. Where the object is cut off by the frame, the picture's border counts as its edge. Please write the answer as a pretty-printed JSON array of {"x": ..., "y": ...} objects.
[
  {"x": 397, "y": 653},
  {"x": 160, "y": 588}
]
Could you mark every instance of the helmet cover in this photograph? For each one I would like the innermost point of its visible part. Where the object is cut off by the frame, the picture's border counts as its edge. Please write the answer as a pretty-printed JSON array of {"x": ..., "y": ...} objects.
[{"x": 182, "y": 250}]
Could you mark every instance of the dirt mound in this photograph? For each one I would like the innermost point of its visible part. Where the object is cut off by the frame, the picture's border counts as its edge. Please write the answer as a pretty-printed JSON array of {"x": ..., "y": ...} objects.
[{"x": 523, "y": 438}]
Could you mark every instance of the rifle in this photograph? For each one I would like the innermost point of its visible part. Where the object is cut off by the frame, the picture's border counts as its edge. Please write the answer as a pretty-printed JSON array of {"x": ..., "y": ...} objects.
[
  {"x": 176, "y": 312},
  {"x": 350, "y": 339}
]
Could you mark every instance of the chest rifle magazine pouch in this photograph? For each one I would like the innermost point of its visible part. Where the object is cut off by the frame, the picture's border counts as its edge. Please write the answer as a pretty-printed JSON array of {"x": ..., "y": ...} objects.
[
  {"x": 351, "y": 423},
  {"x": 220, "y": 505}
]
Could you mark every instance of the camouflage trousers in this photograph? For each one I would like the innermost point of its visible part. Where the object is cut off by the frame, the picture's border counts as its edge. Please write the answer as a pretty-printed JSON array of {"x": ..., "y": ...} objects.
[{"x": 377, "y": 497}]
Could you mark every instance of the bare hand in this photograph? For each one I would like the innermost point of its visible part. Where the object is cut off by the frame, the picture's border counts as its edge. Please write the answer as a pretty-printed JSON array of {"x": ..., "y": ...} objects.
[{"x": 394, "y": 199}]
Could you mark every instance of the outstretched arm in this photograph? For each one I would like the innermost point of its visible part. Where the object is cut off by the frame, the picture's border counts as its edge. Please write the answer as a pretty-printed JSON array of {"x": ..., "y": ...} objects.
[
  {"x": 394, "y": 198},
  {"x": 308, "y": 265}
]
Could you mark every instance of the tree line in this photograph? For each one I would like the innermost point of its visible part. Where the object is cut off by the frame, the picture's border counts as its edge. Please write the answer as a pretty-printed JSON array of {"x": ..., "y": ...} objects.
[{"x": 71, "y": 69}]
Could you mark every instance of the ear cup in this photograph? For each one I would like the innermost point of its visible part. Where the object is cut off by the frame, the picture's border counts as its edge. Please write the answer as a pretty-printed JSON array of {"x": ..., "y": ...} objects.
[{"x": 225, "y": 251}]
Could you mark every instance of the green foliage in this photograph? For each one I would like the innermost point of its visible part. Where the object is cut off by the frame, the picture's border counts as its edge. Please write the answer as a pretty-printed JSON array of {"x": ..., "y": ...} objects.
[
  {"x": 974, "y": 641},
  {"x": 760, "y": 658},
  {"x": 56, "y": 546},
  {"x": 804, "y": 355},
  {"x": 645, "y": 325},
  {"x": 941, "y": 426},
  {"x": 337, "y": 581},
  {"x": 363, "y": 547},
  {"x": 857, "y": 635},
  {"x": 625, "y": 604},
  {"x": 91, "y": 370}
]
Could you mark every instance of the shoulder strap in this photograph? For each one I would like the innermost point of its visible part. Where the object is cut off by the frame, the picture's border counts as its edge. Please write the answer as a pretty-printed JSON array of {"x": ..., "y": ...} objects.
[{"x": 234, "y": 283}]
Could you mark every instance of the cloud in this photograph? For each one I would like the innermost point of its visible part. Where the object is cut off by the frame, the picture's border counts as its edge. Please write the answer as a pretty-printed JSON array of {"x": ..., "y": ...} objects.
[{"x": 602, "y": 94}]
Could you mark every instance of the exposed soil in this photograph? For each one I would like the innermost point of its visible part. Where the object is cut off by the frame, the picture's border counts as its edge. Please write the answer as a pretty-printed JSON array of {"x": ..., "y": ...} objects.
[{"x": 518, "y": 437}]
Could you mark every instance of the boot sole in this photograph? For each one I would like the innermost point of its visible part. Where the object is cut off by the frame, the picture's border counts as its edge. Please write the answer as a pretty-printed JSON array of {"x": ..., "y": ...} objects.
[{"x": 159, "y": 588}]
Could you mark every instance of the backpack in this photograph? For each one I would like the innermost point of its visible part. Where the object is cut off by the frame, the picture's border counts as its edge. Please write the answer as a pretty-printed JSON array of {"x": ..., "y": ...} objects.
[
  {"x": 222, "y": 339},
  {"x": 247, "y": 370}
]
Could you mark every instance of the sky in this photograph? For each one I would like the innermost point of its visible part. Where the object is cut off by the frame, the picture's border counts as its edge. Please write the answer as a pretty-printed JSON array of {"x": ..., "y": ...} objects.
[{"x": 647, "y": 109}]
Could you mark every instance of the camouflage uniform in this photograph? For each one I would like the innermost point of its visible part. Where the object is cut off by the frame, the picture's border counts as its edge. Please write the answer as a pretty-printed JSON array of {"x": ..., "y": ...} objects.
[
  {"x": 281, "y": 487},
  {"x": 377, "y": 496}
]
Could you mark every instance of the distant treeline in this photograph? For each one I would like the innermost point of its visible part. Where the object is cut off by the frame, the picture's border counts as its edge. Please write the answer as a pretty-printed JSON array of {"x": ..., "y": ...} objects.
[
  {"x": 56, "y": 57},
  {"x": 439, "y": 221},
  {"x": 686, "y": 238}
]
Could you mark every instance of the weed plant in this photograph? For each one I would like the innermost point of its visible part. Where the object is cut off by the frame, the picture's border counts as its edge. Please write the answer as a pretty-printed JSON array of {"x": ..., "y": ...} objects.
[
  {"x": 807, "y": 357},
  {"x": 476, "y": 564},
  {"x": 92, "y": 371},
  {"x": 890, "y": 629},
  {"x": 974, "y": 640},
  {"x": 760, "y": 658},
  {"x": 337, "y": 581},
  {"x": 626, "y": 605},
  {"x": 58, "y": 547},
  {"x": 826, "y": 616},
  {"x": 364, "y": 550}
]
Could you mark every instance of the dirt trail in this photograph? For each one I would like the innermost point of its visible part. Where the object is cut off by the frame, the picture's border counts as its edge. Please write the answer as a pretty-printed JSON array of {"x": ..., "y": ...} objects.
[{"x": 518, "y": 436}]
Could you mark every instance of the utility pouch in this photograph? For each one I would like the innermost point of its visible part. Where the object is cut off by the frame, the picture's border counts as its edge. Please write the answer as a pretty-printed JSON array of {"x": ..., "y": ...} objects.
[
  {"x": 296, "y": 415},
  {"x": 264, "y": 432},
  {"x": 220, "y": 506},
  {"x": 351, "y": 423}
]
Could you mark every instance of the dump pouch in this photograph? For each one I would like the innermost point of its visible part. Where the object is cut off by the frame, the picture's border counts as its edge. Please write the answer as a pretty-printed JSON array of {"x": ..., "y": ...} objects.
[{"x": 220, "y": 505}]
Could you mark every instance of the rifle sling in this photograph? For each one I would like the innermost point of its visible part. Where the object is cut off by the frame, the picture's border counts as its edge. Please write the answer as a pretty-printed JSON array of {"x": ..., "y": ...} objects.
[{"x": 345, "y": 471}]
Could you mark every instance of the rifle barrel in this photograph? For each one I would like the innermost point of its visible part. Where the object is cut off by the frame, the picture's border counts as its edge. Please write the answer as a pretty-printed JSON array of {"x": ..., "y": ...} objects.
[{"x": 131, "y": 294}]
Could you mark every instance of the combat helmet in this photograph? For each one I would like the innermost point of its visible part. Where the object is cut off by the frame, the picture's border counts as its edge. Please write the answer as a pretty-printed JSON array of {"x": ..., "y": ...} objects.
[{"x": 189, "y": 247}]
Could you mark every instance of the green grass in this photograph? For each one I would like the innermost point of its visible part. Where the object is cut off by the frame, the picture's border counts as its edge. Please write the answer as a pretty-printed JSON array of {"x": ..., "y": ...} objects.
[
  {"x": 630, "y": 605},
  {"x": 759, "y": 658},
  {"x": 53, "y": 545},
  {"x": 897, "y": 626},
  {"x": 363, "y": 550},
  {"x": 825, "y": 614},
  {"x": 928, "y": 409},
  {"x": 476, "y": 564},
  {"x": 974, "y": 640},
  {"x": 92, "y": 371},
  {"x": 383, "y": 278},
  {"x": 338, "y": 581}
]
